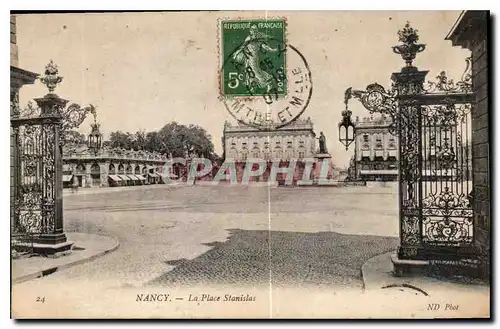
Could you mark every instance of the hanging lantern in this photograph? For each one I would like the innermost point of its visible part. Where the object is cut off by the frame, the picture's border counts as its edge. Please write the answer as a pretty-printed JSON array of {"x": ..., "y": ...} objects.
[
  {"x": 346, "y": 129},
  {"x": 95, "y": 139}
]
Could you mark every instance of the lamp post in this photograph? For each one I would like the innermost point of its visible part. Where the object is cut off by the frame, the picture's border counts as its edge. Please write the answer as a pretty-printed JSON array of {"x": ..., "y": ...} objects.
[
  {"x": 347, "y": 133},
  {"x": 95, "y": 136}
]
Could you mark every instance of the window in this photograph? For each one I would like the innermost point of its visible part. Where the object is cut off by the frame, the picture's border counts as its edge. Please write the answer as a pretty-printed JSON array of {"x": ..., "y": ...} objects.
[
  {"x": 365, "y": 138},
  {"x": 301, "y": 155}
]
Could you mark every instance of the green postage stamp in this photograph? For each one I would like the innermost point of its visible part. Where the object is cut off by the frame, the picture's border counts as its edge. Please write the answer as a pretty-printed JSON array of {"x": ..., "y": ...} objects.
[{"x": 253, "y": 57}]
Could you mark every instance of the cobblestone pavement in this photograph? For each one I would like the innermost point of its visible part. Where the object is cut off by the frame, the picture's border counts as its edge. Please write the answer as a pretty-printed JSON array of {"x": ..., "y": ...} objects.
[
  {"x": 282, "y": 258},
  {"x": 205, "y": 234}
]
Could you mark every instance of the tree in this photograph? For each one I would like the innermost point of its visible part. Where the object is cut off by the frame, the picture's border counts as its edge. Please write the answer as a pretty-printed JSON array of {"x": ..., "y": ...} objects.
[
  {"x": 177, "y": 139},
  {"x": 119, "y": 139},
  {"x": 74, "y": 137},
  {"x": 153, "y": 143},
  {"x": 173, "y": 138},
  {"x": 140, "y": 140},
  {"x": 223, "y": 141}
]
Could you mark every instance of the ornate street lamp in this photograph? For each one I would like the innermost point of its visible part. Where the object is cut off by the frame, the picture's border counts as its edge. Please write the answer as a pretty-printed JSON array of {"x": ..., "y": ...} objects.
[
  {"x": 346, "y": 128},
  {"x": 95, "y": 136}
]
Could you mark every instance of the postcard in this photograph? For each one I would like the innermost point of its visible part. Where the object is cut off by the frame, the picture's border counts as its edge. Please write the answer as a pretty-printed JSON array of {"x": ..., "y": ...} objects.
[{"x": 250, "y": 164}]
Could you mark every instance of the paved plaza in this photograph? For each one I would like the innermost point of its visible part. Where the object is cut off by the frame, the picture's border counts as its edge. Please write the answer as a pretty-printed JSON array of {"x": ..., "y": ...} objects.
[
  {"x": 286, "y": 247},
  {"x": 241, "y": 235}
]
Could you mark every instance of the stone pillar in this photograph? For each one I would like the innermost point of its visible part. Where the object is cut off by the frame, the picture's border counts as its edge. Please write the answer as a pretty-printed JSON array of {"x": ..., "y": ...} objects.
[{"x": 88, "y": 177}]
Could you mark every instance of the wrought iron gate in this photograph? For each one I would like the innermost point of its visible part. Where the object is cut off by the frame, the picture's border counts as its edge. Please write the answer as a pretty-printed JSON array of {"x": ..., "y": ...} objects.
[
  {"x": 38, "y": 134},
  {"x": 35, "y": 149},
  {"x": 435, "y": 167},
  {"x": 432, "y": 122}
]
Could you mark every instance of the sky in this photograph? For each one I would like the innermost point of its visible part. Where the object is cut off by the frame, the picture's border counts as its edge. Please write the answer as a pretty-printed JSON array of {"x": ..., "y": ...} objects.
[{"x": 143, "y": 70}]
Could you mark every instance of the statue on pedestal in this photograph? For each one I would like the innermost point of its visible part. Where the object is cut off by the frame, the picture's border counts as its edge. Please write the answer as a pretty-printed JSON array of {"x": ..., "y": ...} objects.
[{"x": 322, "y": 143}]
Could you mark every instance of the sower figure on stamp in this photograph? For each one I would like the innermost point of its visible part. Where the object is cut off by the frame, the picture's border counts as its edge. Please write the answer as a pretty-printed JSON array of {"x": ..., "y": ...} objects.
[
  {"x": 322, "y": 143},
  {"x": 249, "y": 55}
]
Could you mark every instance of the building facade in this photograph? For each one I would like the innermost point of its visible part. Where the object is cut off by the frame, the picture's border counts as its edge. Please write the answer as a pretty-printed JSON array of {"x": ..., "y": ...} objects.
[
  {"x": 471, "y": 32},
  {"x": 111, "y": 167},
  {"x": 376, "y": 150},
  {"x": 18, "y": 78},
  {"x": 376, "y": 154},
  {"x": 294, "y": 141}
]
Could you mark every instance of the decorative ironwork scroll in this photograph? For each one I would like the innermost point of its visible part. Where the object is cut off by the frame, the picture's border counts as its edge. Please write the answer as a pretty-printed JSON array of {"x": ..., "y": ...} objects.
[
  {"x": 376, "y": 99},
  {"x": 72, "y": 117},
  {"x": 444, "y": 84}
]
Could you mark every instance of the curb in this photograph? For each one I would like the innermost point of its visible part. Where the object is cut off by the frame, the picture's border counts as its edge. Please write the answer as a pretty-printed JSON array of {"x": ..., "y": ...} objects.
[
  {"x": 54, "y": 269},
  {"x": 363, "y": 278}
]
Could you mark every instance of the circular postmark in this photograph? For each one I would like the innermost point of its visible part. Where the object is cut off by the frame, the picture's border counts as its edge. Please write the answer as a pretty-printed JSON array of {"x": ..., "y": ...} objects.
[{"x": 265, "y": 83}]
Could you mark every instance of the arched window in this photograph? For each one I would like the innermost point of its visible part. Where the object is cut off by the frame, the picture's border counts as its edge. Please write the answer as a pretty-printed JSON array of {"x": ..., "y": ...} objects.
[
  {"x": 233, "y": 153},
  {"x": 301, "y": 151},
  {"x": 121, "y": 169},
  {"x": 137, "y": 170},
  {"x": 278, "y": 153},
  {"x": 80, "y": 169},
  {"x": 95, "y": 174},
  {"x": 289, "y": 153},
  {"x": 244, "y": 153}
]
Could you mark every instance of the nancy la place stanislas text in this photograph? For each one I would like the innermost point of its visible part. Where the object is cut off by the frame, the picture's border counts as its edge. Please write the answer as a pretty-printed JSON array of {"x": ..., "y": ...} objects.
[{"x": 162, "y": 297}]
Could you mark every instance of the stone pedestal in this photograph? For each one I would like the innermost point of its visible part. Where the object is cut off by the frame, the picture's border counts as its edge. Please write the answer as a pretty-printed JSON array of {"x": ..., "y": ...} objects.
[
  {"x": 408, "y": 267},
  {"x": 321, "y": 169}
]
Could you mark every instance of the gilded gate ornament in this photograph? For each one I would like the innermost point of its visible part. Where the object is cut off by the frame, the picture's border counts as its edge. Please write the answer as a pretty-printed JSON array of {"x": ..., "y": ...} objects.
[
  {"x": 51, "y": 78},
  {"x": 409, "y": 47}
]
